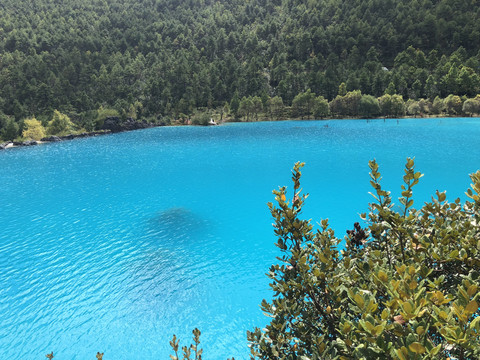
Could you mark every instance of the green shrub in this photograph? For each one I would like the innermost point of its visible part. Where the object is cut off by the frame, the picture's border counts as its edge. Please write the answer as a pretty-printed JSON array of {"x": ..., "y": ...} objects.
[
  {"x": 102, "y": 114},
  {"x": 60, "y": 124},
  {"x": 404, "y": 287},
  {"x": 33, "y": 129},
  {"x": 10, "y": 130},
  {"x": 202, "y": 118}
]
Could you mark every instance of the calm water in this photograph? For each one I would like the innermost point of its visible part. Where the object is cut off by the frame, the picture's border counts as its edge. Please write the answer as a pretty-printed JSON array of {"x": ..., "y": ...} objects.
[{"x": 115, "y": 243}]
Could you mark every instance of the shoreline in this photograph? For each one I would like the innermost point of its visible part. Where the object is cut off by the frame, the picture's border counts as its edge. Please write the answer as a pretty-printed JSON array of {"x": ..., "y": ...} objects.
[
  {"x": 50, "y": 139},
  {"x": 111, "y": 125},
  {"x": 18, "y": 144}
]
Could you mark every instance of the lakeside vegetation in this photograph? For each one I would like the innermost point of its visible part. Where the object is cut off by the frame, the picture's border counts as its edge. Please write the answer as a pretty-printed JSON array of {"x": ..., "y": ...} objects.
[
  {"x": 165, "y": 61},
  {"x": 305, "y": 105}
]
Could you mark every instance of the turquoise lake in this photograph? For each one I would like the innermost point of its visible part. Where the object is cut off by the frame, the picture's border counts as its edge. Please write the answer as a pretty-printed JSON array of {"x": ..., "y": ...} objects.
[{"x": 115, "y": 243}]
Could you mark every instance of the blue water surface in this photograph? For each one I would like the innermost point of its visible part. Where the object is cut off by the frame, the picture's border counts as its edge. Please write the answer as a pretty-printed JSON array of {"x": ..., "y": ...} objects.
[{"x": 115, "y": 243}]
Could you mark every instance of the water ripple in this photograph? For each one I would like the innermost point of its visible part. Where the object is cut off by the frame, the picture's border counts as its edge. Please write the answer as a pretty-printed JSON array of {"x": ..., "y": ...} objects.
[{"x": 114, "y": 250}]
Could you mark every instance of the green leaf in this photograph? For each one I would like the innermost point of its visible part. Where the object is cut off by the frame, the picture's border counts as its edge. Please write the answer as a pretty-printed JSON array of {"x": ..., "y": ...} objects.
[
  {"x": 382, "y": 275},
  {"x": 472, "y": 290},
  {"x": 472, "y": 307},
  {"x": 436, "y": 349},
  {"x": 401, "y": 353},
  {"x": 453, "y": 254},
  {"x": 410, "y": 163},
  {"x": 417, "y": 348},
  {"x": 420, "y": 330},
  {"x": 441, "y": 196},
  {"x": 359, "y": 300},
  {"x": 475, "y": 322}
]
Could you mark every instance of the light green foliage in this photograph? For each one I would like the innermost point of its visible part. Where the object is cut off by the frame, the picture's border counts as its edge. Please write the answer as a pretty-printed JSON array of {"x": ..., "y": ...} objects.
[
  {"x": 390, "y": 90},
  {"x": 342, "y": 89},
  {"x": 346, "y": 105},
  {"x": 398, "y": 105},
  {"x": 224, "y": 110},
  {"x": 413, "y": 107},
  {"x": 60, "y": 124},
  {"x": 392, "y": 105},
  {"x": 303, "y": 104},
  {"x": 257, "y": 106},
  {"x": 368, "y": 106},
  {"x": 320, "y": 109},
  {"x": 33, "y": 129},
  {"x": 385, "y": 102},
  {"x": 438, "y": 106},
  {"x": 275, "y": 107},
  {"x": 103, "y": 113},
  {"x": 453, "y": 104},
  {"x": 135, "y": 110},
  {"x": 472, "y": 106},
  {"x": 250, "y": 107},
  {"x": 245, "y": 108},
  {"x": 425, "y": 106},
  {"x": 404, "y": 287}
]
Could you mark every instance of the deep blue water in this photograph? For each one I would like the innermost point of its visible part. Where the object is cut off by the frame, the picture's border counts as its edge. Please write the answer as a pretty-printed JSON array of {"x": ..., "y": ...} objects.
[{"x": 115, "y": 243}]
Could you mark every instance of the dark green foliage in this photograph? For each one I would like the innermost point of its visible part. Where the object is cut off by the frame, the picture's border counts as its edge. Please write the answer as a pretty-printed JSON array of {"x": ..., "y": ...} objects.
[
  {"x": 202, "y": 118},
  {"x": 405, "y": 286},
  {"x": 10, "y": 129},
  {"x": 161, "y": 58}
]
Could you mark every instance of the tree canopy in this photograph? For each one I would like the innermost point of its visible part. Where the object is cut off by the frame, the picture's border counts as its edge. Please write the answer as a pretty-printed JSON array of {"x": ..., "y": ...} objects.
[{"x": 157, "y": 58}]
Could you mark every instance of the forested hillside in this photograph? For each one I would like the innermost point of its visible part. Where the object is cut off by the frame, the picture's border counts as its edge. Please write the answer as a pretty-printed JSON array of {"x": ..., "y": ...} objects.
[{"x": 155, "y": 58}]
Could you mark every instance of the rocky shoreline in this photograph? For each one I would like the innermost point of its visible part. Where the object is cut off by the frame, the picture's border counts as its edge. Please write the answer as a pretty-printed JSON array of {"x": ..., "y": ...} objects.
[{"x": 111, "y": 125}]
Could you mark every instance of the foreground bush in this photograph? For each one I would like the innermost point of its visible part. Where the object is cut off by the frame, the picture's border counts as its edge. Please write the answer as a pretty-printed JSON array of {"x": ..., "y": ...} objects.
[{"x": 404, "y": 287}]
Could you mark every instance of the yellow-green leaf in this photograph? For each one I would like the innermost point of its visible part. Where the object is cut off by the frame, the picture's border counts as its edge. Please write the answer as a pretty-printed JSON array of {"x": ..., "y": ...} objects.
[
  {"x": 402, "y": 353},
  {"x": 436, "y": 349},
  {"x": 443, "y": 315},
  {"x": 420, "y": 330},
  {"x": 453, "y": 254},
  {"x": 385, "y": 314},
  {"x": 472, "y": 307},
  {"x": 472, "y": 290},
  {"x": 382, "y": 275},
  {"x": 413, "y": 285},
  {"x": 407, "y": 308},
  {"x": 417, "y": 348},
  {"x": 411, "y": 270},
  {"x": 359, "y": 300}
]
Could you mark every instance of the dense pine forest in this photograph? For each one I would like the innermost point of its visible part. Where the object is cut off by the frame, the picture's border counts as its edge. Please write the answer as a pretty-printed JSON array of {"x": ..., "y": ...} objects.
[{"x": 164, "y": 59}]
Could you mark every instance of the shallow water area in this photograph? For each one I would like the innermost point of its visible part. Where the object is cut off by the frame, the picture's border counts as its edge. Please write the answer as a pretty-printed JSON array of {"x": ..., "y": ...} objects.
[{"x": 115, "y": 243}]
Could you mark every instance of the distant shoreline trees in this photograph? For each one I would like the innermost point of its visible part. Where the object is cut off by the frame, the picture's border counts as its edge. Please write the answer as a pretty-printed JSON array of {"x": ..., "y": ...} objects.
[{"x": 306, "y": 105}]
